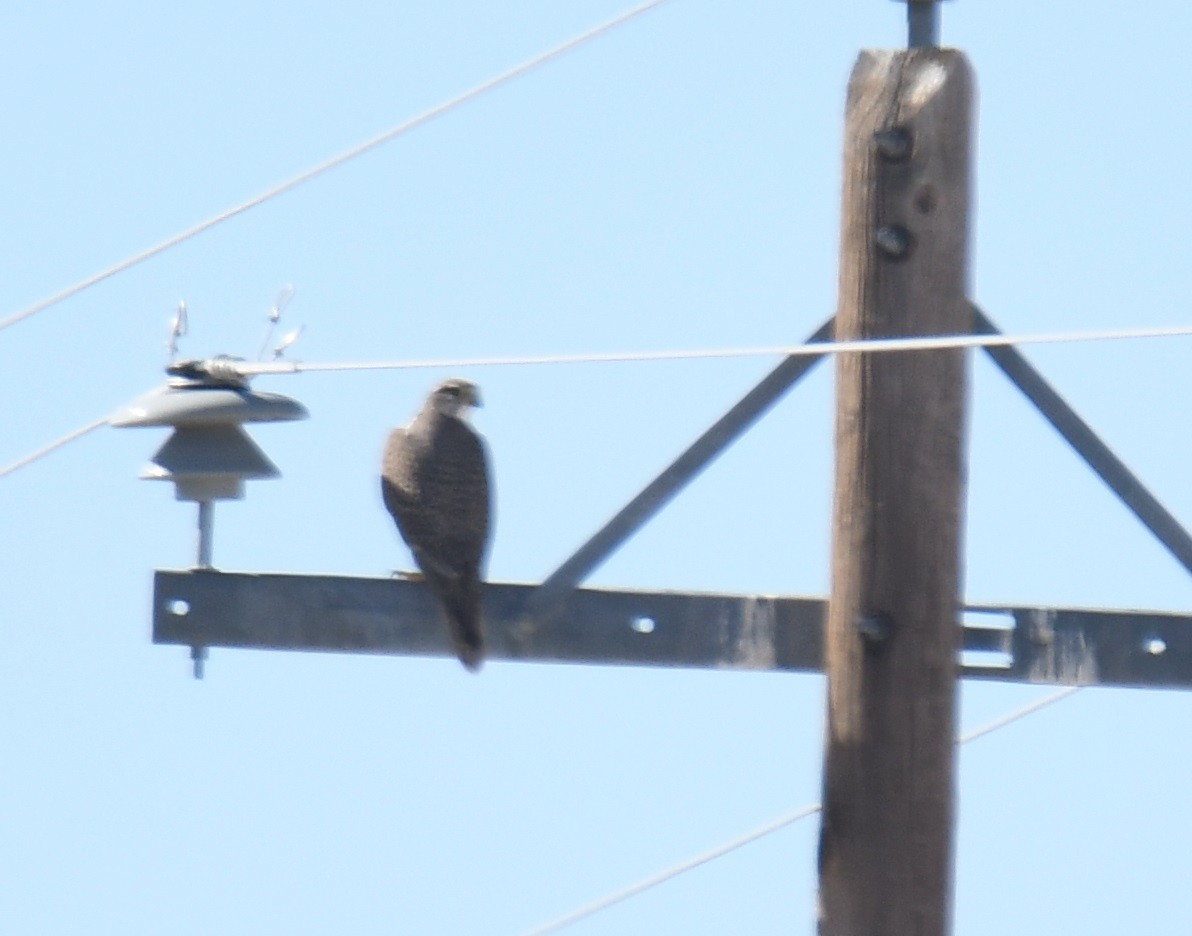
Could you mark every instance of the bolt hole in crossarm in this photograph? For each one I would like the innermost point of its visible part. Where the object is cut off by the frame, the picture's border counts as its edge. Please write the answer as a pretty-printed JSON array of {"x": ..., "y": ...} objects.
[
  {"x": 1155, "y": 646},
  {"x": 180, "y": 607}
]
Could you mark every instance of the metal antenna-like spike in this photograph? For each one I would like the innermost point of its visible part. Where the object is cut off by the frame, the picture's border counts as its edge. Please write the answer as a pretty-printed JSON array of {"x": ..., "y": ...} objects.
[
  {"x": 178, "y": 328},
  {"x": 287, "y": 341},
  {"x": 284, "y": 295}
]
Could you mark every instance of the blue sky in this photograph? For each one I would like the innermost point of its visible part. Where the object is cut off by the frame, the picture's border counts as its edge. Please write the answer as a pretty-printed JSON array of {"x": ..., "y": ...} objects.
[{"x": 674, "y": 184}]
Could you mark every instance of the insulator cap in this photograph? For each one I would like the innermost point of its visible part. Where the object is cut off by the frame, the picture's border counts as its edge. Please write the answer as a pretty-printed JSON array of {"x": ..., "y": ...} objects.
[{"x": 198, "y": 405}]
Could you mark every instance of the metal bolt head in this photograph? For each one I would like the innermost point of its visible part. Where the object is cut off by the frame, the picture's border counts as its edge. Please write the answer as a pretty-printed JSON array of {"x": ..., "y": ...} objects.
[
  {"x": 893, "y": 144},
  {"x": 873, "y": 628},
  {"x": 893, "y": 241}
]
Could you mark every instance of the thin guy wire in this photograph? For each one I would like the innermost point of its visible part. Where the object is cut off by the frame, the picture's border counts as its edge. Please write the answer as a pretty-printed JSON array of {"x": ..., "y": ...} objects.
[
  {"x": 335, "y": 161},
  {"x": 41, "y": 452},
  {"x": 1014, "y": 716},
  {"x": 781, "y": 823},
  {"x": 664, "y": 876},
  {"x": 813, "y": 349}
]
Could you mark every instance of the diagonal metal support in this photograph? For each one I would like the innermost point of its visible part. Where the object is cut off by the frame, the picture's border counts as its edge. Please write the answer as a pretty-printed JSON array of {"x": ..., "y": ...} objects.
[
  {"x": 659, "y": 492},
  {"x": 1109, "y": 468}
]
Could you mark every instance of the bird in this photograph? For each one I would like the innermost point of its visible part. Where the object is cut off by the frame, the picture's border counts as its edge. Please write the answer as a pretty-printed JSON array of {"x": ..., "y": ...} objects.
[{"x": 435, "y": 484}]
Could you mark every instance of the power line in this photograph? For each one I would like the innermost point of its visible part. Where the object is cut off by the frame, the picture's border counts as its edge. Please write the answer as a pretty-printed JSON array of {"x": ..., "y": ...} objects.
[
  {"x": 335, "y": 161},
  {"x": 813, "y": 349},
  {"x": 662, "y": 877},
  {"x": 228, "y": 367}
]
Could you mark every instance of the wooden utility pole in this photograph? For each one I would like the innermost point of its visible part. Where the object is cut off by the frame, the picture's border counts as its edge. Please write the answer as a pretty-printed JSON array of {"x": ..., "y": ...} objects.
[{"x": 886, "y": 842}]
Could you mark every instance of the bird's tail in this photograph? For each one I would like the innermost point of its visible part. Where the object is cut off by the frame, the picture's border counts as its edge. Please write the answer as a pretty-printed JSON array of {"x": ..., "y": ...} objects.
[
  {"x": 461, "y": 601},
  {"x": 467, "y": 627},
  {"x": 471, "y": 654}
]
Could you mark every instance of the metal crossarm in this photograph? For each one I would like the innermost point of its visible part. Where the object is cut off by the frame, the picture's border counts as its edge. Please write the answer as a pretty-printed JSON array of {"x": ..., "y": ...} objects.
[{"x": 1061, "y": 646}]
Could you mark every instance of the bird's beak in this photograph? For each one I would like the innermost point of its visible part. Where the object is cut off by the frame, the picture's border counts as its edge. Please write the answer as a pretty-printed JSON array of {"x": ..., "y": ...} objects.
[{"x": 474, "y": 397}]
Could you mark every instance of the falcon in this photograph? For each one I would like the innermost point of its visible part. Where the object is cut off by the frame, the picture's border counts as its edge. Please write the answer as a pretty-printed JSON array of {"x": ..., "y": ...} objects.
[{"x": 434, "y": 479}]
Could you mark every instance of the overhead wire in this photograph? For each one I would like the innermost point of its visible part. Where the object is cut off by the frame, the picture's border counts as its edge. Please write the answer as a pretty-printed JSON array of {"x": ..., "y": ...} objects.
[
  {"x": 53, "y": 446},
  {"x": 812, "y": 349},
  {"x": 333, "y": 162},
  {"x": 769, "y": 828},
  {"x": 248, "y": 369}
]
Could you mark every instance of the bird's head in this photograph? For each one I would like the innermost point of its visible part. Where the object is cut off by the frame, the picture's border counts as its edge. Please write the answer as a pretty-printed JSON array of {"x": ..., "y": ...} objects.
[{"x": 453, "y": 397}]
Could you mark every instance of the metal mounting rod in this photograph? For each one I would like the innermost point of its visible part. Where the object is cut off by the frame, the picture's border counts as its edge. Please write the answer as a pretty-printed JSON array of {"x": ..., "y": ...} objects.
[
  {"x": 923, "y": 24},
  {"x": 198, "y": 657},
  {"x": 206, "y": 526}
]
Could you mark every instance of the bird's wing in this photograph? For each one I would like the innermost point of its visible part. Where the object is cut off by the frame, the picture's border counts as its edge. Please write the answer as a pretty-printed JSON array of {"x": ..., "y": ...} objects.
[
  {"x": 455, "y": 494},
  {"x": 397, "y": 488},
  {"x": 435, "y": 484}
]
